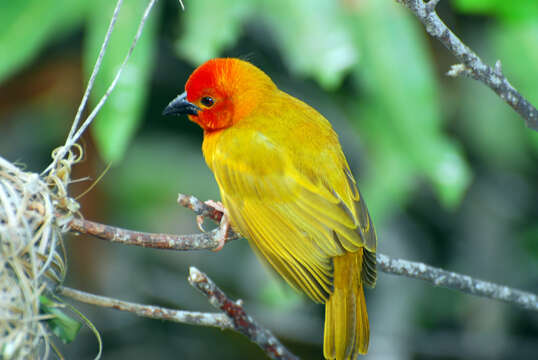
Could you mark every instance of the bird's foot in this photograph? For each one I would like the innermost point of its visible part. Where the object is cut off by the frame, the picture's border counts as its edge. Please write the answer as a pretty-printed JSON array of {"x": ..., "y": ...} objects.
[
  {"x": 200, "y": 222},
  {"x": 222, "y": 231},
  {"x": 216, "y": 206}
]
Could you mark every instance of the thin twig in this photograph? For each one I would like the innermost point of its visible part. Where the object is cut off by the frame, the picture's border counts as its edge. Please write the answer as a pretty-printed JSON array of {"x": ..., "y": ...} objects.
[
  {"x": 203, "y": 241},
  {"x": 150, "y": 311},
  {"x": 458, "y": 282},
  {"x": 199, "y": 207},
  {"x": 65, "y": 149},
  {"x": 95, "y": 70},
  {"x": 471, "y": 65},
  {"x": 243, "y": 323},
  {"x": 112, "y": 85},
  {"x": 436, "y": 276},
  {"x": 73, "y": 137},
  {"x": 234, "y": 317}
]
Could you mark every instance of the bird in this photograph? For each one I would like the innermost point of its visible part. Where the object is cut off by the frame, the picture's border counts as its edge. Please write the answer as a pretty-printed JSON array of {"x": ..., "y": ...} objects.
[{"x": 287, "y": 187}]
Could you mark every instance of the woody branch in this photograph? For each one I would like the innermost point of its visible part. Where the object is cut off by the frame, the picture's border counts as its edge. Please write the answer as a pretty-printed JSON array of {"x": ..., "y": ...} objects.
[
  {"x": 436, "y": 276},
  {"x": 233, "y": 316},
  {"x": 471, "y": 64}
]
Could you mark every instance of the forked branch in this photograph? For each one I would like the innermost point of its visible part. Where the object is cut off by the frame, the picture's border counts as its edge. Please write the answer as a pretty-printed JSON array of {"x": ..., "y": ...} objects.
[
  {"x": 436, "y": 276},
  {"x": 459, "y": 282},
  {"x": 233, "y": 316},
  {"x": 471, "y": 64}
]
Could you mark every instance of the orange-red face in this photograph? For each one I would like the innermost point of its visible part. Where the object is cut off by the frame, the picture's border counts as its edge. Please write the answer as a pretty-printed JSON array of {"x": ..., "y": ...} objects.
[
  {"x": 220, "y": 92},
  {"x": 210, "y": 89}
]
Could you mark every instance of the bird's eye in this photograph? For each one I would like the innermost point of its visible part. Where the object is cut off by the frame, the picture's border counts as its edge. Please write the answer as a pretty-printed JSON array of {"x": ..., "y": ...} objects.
[{"x": 207, "y": 101}]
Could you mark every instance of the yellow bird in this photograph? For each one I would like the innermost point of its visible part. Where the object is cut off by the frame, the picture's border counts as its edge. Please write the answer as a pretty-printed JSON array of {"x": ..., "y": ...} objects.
[{"x": 287, "y": 187}]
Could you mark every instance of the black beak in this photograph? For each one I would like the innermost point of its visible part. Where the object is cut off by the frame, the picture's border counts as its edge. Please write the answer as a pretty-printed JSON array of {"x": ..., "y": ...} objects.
[{"x": 180, "y": 106}]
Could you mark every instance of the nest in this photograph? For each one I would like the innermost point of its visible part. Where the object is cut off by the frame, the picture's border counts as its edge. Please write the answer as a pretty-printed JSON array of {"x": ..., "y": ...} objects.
[{"x": 34, "y": 212}]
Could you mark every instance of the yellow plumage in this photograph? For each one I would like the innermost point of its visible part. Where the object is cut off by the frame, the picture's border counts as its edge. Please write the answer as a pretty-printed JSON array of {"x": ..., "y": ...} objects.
[{"x": 288, "y": 189}]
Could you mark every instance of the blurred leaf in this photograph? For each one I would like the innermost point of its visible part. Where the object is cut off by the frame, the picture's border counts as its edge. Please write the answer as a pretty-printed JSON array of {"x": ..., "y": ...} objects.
[
  {"x": 120, "y": 116},
  {"x": 63, "y": 326},
  {"x": 138, "y": 182},
  {"x": 404, "y": 119},
  {"x": 278, "y": 294},
  {"x": 211, "y": 26},
  {"x": 492, "y": 129},
  {"x": 517, "y": 45},
  {"x": 28, "y": 25},
  {"x": 384, "y": 194},
  {"x": 449, "y": 171},
  {"x": 312, "y": 34},
  {"x": 515, "y": 10},
  {"x": 529, "y": 239},
  {"x": 314, "y": 38}
]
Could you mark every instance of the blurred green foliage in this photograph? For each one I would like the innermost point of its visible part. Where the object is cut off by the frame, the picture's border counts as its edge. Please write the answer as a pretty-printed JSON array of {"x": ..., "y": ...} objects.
[
  {"x": 324, "y": 40},
  {"x": 401, "y": 112},
  {"x": 312, "y": 35},
  {"x": 62, "y": 325},
  {"x": 27, "y": 26},
  {"x": 119, "y": 118},
  {"x": 509, "y": 10},
  {"x": 321, "y": 40},
  {"x": 441, "y": 153},
  {"x": 514, "y": 40}
]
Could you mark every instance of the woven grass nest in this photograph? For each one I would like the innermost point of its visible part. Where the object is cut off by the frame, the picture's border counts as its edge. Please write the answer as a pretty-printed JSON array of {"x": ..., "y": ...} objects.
[{"x": 34, "y": 212}]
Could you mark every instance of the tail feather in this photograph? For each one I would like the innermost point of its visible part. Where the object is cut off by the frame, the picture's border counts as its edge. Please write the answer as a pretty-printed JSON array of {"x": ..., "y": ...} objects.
[{"x": 347, "y": 330}]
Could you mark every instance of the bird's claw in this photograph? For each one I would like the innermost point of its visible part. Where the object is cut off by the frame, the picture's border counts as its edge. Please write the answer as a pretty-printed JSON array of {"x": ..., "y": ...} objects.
[
  {"x": 217, "y": 205},
  {"x": 200, "y": 222},
  {"x": 222, "y": 232}
]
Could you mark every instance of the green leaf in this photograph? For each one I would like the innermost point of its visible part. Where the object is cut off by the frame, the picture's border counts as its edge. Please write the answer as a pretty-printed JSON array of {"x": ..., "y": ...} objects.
[
  {"x": 513, "y": 10},
  {"x": 277, "y": 294},
  {"x": 516, "y": 43},
  {"x": 135, "y": 185},
  {"x": 529, "y": 241},
  {"x": 119, "y": 118},
  {"x": 403, "y": 102},
  {"x": 314, "y": 37},
  {"x": 211, "y": 26},
  {"x": 62, "y": 325},
  {"x": 449, "y": 172},
  {"x": 383, "y": 194},
  {"x": 386, "y": 194},
  {"x": 23, "y": 36},
  {"x": 493, "y": 130}
]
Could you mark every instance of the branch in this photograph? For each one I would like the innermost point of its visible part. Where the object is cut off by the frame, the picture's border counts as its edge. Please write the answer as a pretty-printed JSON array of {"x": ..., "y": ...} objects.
[
  {"x": 200, "y": 208},
  {"x": 234, "y": 318},
  {"x": 203, "y": 241},
  {"x": 471, "y": 65},
  {"x": 76, "y": 132},
  {"x": 459, "y": 282},
  {"x": 243, "y": 323},
  {"x": 438, "y": 277},
  {"x": 153, "y": 312}
]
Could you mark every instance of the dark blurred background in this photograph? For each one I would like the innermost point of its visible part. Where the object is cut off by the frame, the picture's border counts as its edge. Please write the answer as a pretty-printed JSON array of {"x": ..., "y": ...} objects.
[{"x": 448, "y": 170}]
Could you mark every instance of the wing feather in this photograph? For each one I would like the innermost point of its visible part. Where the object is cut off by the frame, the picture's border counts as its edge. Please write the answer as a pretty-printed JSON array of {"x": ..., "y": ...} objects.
[{"x": 297, "y": 223}]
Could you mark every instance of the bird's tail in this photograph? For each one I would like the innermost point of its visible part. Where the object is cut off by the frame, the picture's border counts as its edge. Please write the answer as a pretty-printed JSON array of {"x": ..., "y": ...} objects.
[{"x": 347, "y": 331}]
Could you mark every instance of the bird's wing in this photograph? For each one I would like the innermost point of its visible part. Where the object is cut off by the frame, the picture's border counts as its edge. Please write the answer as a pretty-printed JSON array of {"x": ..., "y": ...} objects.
[{"x": 296, "y": 222}]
